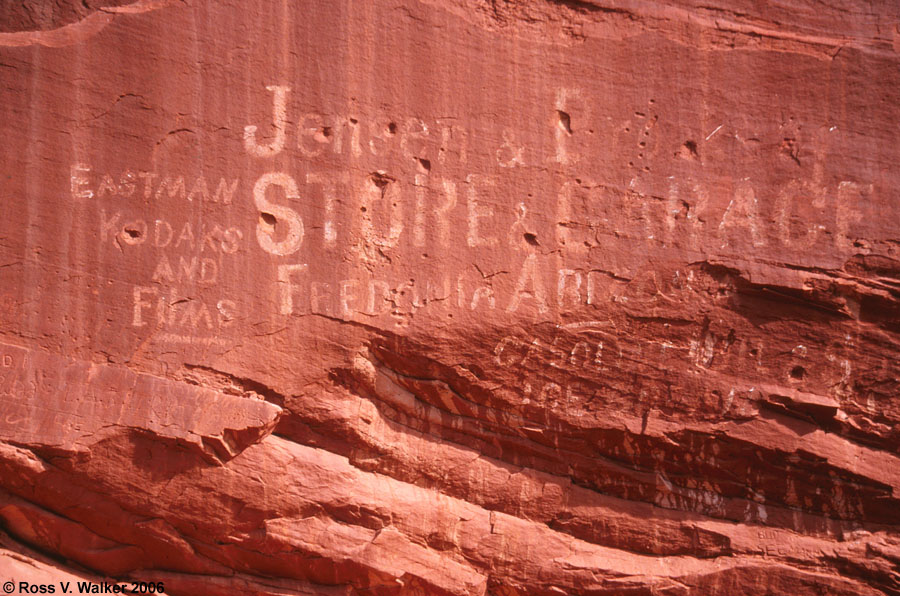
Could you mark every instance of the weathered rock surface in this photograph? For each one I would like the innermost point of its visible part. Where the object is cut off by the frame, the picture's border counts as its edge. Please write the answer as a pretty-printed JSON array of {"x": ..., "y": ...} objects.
[{"x": 458, "y": 297}]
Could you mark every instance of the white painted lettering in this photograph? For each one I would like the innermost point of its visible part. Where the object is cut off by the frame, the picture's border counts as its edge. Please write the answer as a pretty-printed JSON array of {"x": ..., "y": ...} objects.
[
  {"x": 147, "y": 177},
  {"x": 162, "y": 233},
  {"x": 574, "y": 289},
  {"x": 139, "y": 304},
  {"x": 279, "y": 119},
  {"x": 477, "y": 212},
  {"x": 266, "y": 229},
  {"x": 286, "y": 286},
  {"x": 742, "y": 211},
  {"x": 379, "y": 188},
  {"x": 107, "y": 186},
  {"x": 529, "y": 276},
  {"x": 79, "y": 181},
  {"x": 348, "y": 297},
  {"x": 174, "y": 187},
  {"x": 312, "y": 127},
  {"x": 329, "y": 234},
  {"x": 109, "y": 228}
]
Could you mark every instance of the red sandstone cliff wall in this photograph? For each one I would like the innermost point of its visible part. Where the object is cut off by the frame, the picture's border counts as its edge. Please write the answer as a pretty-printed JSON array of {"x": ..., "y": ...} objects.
[{"x": 458, "y": 297}]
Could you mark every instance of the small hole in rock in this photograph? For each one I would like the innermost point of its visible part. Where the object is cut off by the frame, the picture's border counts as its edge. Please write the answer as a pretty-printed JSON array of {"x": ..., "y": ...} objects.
[
  {"x": 531, "y": 239},
  {"x": 380, "y": 180},
  {"x": 268, "y": 218},
  {"x": 689, "y": 150},
  {"x": 565, "y": 121},
  {"x": 425, "y": 164},
  {"x": 132, "y": 233},
  {"x": 798, "y": 372},
  {"x": 392, "y": 128}
]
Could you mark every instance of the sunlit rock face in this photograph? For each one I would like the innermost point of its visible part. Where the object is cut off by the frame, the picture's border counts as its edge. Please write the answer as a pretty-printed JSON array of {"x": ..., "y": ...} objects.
[{"x": 450, "y": 297}]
